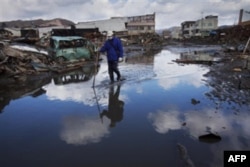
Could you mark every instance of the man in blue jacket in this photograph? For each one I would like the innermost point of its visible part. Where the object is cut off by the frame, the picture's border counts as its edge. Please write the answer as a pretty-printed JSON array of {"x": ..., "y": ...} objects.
[{"x": 114, "y": 50}]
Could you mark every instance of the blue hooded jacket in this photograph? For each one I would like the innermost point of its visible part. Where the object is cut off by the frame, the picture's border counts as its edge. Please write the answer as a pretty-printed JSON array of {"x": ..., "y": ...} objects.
[{"x": 114, "y": 49}]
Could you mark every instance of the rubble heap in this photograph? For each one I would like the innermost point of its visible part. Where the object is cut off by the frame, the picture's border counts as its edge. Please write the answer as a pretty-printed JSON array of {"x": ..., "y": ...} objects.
[
  {"x": 145, "y": 39},
  {"x": 234, "y": 35},
  {"x": 14, "y": 61}
]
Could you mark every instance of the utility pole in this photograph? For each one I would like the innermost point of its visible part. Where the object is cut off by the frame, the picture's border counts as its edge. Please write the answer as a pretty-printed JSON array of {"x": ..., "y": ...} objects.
[
  {"x": 202, "y": 24},
  {"x": 240, "y": 17}
]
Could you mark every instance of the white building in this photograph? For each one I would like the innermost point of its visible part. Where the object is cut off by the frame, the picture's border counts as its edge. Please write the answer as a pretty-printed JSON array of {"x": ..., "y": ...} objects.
[
  {"x": 141, "y": 24},
  {"x": 176, "y": 33},
  {"x": 113, "y": 24},
  {"x": 187, "y": 29},
  {"x": 132, "y": 25},
  {"x": 201, "y": 27}
]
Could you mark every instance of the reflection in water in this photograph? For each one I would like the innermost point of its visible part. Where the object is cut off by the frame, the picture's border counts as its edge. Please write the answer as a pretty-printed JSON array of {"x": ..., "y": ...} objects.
[
  {"x": 34, "y": 85},
  {"x": 115, "y": 106},
  {"x": 200, "y": 122},
  {"x": 31, "y": 86},
  {"x": 67, "y": 86},
  {"x": 80, "y": 130},
  {"x": 194, "y": 101},
  {"x": 170, "y": 75},
  {"x": 185, "y": 156},
  {"x": 199, "y": 57},
  {"x": 165, "y": 121},
  {"x": 72, "y": 92},
  {"x": 209, "y": 138},
  {"x": 80, "y": 75},
  {"x": 231, "y": 129}
]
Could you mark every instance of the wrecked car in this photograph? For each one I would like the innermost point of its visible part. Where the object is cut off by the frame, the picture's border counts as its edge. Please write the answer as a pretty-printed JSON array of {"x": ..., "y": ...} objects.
[{"x": 71, "y": 48}]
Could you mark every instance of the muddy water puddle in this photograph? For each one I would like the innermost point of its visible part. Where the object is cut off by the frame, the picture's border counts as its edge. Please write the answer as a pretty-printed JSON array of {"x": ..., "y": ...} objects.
[{"x": 156, "y": 117}]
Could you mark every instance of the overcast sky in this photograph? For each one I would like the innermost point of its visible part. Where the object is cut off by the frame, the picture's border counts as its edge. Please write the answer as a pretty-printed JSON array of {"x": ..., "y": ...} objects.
[{"x": 168, "y": 12}]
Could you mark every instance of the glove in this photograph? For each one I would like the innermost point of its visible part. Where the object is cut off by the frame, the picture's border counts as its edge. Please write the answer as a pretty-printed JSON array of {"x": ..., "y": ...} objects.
[{"x": 120, "y": 59}]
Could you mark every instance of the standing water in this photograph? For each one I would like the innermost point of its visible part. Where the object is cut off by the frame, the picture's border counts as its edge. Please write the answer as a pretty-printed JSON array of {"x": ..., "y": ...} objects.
[{"x": 157, "y": 117}]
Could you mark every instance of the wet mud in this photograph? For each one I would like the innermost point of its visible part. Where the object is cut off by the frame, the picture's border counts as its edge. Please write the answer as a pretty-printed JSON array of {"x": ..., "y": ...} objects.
[{"x": 230, "y": 80}]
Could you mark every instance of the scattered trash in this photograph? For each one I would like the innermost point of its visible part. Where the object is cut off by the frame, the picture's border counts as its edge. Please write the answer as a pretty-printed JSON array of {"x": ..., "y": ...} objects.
[
  {"x": 194, "y": 101},
  {"x": 17, "y": 60},
  {"x": 237, "y": 69},
  {"x": 209, "y": 138}
]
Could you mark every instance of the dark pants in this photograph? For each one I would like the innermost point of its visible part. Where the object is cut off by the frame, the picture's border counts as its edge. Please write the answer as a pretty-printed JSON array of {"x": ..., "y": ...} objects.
[{"x": 113, "y": 68}]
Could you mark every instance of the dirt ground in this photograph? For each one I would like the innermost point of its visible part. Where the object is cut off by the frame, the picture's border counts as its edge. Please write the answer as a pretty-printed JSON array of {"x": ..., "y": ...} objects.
[{"x": 230, "y": 79}]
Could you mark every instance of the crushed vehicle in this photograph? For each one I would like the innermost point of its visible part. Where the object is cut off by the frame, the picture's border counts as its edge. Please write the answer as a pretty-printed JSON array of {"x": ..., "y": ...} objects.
[{"x": 70, "y": 48}]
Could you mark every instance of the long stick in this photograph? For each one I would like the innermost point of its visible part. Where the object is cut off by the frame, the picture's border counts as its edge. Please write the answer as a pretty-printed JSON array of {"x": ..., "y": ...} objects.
[
  {"x": 93, "y": 86},
  {"x": 96, "y": 63},
  {"x": 98, "y": 106}
]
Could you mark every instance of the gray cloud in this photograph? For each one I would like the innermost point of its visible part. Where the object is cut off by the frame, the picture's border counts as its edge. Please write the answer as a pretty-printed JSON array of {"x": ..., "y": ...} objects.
[{"x": 168, "y": 13}]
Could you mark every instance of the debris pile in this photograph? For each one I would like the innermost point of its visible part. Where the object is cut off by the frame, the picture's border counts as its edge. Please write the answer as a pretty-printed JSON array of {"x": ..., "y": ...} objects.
[
  {"x": 146, "y": 44},
  {"x": 14, "y": 61},
  {"x": 234, "y": 35},
  {"x": 230, "y": 80},
  {"x": 233, "y": 38},
  {"x": 145, "y": 40}
]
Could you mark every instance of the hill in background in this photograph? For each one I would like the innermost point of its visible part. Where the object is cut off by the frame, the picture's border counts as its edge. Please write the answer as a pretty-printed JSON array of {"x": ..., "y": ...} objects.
[{"x": 36, "y": 23}]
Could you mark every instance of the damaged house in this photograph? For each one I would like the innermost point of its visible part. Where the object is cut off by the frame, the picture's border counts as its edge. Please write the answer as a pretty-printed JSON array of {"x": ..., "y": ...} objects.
[
  {"x": 141, "y": 24},
  {"x": 201, "y": 27}
]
